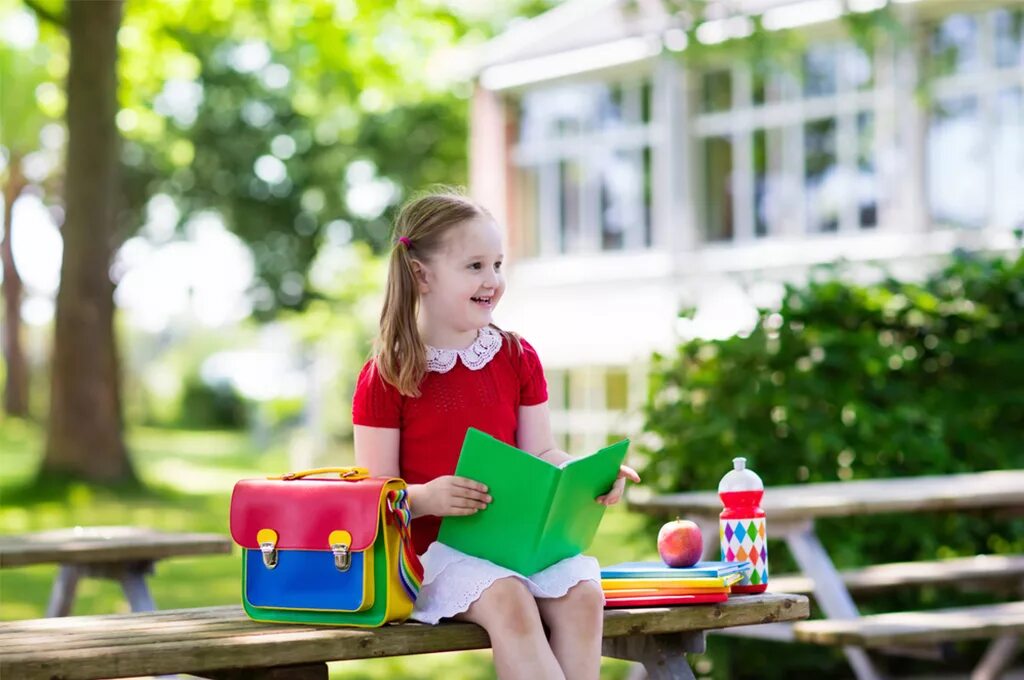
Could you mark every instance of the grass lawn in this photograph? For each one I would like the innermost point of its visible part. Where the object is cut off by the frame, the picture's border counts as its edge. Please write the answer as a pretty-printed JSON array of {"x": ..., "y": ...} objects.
[{"x": 189, "y": 476}]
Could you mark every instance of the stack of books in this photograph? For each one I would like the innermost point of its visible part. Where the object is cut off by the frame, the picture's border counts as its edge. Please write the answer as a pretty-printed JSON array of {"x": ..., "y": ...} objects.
[{"x": 647, "y": 584}]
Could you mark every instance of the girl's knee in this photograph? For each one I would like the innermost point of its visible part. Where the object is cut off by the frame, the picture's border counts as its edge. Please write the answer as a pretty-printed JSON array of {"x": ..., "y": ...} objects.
[
  {"x": 584, "y": 602},
  {"x": 507, "y": 607},
  {"x": 585, "y": 596}
]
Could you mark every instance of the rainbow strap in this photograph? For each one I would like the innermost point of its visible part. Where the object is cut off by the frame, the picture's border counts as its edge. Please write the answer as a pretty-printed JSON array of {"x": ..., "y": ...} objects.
[{"x": 410, "y": 571}]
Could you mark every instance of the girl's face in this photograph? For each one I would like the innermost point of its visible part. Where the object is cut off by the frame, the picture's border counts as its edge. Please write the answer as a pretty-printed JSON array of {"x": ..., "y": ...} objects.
[{"x": 461, "y": 284}]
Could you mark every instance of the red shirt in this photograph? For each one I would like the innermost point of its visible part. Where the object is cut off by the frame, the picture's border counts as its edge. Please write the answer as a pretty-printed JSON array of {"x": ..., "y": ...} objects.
[{"x": 434, "y": 424}]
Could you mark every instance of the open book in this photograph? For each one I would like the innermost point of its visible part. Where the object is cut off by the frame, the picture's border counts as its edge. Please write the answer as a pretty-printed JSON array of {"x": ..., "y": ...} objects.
[{"x": 540, "y": 513}]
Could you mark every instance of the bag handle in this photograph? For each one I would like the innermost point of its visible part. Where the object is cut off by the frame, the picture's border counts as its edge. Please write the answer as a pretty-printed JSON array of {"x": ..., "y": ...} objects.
[{"x": 347, "y": 473}]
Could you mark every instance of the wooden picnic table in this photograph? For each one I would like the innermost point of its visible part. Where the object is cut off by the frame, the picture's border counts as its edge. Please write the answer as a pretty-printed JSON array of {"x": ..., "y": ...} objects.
[
  {"x": 221, "y": 642},
  {"x": 123, "y": 553},
  {"x": 792, "y": 510}
]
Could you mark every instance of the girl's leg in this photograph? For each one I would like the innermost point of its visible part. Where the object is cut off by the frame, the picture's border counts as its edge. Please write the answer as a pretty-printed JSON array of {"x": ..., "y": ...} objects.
[
  {"x": 508, "y": 612},
  {"x": 576, "y": 621}
]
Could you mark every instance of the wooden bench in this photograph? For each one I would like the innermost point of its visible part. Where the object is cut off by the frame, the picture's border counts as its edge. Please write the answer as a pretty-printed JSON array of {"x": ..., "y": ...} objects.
[
  {"x": 982, "y": 571},
  {"x": 1003, "y": 622},
  {"x": 220, "y": 642},
  {"x": 122, "y": 553},
  {"x": 915, "y": 628}
]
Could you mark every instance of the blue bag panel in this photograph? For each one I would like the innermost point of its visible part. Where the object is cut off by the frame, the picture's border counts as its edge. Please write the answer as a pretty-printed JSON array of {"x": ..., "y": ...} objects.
[{"x": 305, "y": 579}]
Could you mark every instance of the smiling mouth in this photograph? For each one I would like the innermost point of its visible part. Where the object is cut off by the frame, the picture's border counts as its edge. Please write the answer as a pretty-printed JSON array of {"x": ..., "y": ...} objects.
[{"x": 483, "y": 301}]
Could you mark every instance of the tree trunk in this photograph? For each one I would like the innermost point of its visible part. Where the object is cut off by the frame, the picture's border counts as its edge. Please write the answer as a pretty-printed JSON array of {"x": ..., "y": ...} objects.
[
  {"x": 16, "y": 386},
  {"x": 85, "y": 429}
]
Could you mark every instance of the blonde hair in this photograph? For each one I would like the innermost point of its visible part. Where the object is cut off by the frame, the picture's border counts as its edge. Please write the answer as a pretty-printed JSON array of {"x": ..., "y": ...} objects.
[{"x": 420, "y": 228}]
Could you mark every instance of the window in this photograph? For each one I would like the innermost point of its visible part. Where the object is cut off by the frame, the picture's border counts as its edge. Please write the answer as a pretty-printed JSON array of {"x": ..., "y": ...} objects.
[
  {"x": 821, "y": 175},
  {"x": 1009, "y": 158},
  {"x": 957, "y": 175},
  {"x": 769, "y": 179},
  {"x": 718, "y": 192},
  {"x": 786, "y": 150},
  {"x": 583, "y": 161},
  {"x": 616, "y": 389},
  {"x": 975, "y": 151}
]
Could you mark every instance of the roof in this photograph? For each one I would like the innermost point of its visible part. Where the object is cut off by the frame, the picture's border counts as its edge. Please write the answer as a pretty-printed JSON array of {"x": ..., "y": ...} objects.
[{"x": 577, "y": 25}]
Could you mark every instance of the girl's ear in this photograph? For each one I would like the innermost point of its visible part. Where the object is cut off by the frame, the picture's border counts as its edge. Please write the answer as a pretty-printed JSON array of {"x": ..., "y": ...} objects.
[{"x": 419, "y": 272}]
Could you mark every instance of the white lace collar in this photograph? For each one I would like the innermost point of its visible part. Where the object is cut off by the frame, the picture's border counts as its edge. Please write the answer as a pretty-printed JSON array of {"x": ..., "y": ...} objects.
[{"x": 474, "y": 357}]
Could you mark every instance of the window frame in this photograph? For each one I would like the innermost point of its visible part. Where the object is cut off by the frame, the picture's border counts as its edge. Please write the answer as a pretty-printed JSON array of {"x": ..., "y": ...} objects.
[
  {"x": 546, "y": 154},
  {"x": 984, "y": 84},
  {"x": 788, "y": 117}
]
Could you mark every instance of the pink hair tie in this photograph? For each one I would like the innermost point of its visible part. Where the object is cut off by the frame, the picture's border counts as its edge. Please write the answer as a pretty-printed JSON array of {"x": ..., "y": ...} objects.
[{"x": 404, "y": 240}]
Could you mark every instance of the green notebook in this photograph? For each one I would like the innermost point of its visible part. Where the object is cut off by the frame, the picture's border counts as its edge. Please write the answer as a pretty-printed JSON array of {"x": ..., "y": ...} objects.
[{"x": 540, "y": 513}]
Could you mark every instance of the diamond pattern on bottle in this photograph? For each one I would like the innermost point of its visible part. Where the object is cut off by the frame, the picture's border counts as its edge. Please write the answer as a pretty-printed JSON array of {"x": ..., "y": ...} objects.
[{"x": 745, "y": 539}]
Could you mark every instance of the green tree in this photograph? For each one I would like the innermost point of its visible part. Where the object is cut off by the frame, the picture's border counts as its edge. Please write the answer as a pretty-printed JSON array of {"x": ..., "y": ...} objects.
[
  {"x": 277, "y": 116},
  {"x": 288, "y": 129}
]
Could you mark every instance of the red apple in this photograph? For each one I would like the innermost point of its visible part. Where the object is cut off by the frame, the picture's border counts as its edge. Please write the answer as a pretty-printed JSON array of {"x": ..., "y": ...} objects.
[{"x": 680, "y": 543}]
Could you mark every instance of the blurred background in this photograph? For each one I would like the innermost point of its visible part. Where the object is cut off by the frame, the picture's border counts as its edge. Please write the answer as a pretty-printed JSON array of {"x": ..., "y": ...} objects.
[{"x": 197, "y": 215}]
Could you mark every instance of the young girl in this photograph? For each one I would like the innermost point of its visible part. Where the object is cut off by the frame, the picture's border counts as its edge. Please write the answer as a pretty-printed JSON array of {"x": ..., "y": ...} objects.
[{"x": 441, "y": 366}]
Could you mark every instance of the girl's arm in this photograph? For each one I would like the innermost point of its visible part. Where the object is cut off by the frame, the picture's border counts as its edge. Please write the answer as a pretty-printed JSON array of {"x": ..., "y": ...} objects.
[
  {"x": 533, "y": 435},
  {"x": 377, "y": 451}
]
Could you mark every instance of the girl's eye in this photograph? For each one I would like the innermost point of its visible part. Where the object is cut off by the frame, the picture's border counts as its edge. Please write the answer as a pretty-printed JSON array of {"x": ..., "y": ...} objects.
[
  {"x": 476, "y": 265},
  {"x": 497, "y": 266}
]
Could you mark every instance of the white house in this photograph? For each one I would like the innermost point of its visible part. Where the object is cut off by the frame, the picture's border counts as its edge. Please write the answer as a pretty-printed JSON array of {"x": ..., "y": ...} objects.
[{"x": 638, "y": 174}]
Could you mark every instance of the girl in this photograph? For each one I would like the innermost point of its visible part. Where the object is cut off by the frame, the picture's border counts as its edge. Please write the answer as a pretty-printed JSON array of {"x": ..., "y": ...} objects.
[{"x": 440, "y": 367}]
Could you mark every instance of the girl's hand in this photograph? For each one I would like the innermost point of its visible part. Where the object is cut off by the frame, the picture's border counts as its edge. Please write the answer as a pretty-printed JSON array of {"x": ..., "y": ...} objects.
[
  {"x": 448, "y": 495},
  {"x": 613, "y": 496}
]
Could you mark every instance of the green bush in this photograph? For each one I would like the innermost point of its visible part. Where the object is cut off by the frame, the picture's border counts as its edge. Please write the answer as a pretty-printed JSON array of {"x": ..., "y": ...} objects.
[
  {"x": 849, "y": 381},
  {"x": 206, "y": 406}
]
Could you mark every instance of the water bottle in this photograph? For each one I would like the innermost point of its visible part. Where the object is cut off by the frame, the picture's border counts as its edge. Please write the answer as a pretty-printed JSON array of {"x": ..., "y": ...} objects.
[{"x": 741, "y": 526}]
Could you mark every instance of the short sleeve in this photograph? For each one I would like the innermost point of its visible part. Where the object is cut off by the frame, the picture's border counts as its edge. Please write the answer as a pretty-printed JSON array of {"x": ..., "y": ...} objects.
[
  {"x": 375, "y": 402},
  {"x": 533, "y": 388}
]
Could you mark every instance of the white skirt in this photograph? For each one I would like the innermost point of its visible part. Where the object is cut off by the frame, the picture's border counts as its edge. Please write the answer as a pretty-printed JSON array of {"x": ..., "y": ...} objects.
[{"x": 453, "y": 580}]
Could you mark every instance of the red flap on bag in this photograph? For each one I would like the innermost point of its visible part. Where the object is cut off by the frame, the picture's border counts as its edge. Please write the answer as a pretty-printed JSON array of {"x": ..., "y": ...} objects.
[{"x": 304, "y": 512}]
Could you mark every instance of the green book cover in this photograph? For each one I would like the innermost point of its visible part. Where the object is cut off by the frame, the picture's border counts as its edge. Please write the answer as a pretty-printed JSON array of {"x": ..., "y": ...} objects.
[{"x": 540, "y": 513}]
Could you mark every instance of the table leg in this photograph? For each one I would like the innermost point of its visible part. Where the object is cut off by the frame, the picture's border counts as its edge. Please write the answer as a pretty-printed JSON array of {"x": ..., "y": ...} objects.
[
  {"x": 133, "y": 583},
  {"x": 829, "y": 590},
  {"x": 997, "y": 657},
  {"x": 62, "y": 595},
  {"x": 663, "y": 655},
  {"x": 131, "y": 576}
]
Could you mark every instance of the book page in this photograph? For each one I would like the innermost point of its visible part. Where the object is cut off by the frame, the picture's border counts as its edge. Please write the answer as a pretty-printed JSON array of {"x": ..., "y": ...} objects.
[
  {"x": 521, "y": 485},
  {"x": 575, "y": 514}
]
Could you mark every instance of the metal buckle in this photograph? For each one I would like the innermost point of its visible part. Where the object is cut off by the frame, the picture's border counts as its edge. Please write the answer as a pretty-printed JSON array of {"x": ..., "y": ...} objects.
[
  {"x": 342, "y": 556},
  {"x": 269, "y": 554}
]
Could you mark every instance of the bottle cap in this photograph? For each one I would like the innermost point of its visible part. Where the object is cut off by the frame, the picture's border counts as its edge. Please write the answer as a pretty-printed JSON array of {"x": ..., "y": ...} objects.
[{"x": 740, "y": 478}]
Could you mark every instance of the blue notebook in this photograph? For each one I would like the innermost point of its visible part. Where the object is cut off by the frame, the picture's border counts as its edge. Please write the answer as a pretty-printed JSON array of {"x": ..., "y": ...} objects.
[{"x": 659, "y": 570}]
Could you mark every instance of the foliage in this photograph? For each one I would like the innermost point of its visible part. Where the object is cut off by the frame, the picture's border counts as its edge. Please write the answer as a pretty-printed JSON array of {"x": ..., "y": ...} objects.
[
  {"x": 291, "y": 119},
  {"x": 206, "y": 406},
  {"x": 850, "y": 381},
  {"x": 766, "y": 50}
]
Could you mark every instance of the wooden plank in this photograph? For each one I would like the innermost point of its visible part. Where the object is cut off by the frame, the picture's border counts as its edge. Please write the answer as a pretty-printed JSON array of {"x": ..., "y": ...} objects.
[
  {"x": 879, "y": 577},
  {"x": 925, "y": 627},
  {"x": 217, "y": 638},
  {"x": 977, "y": 490},
  {"x": 91, "y": 632},
  {"x": 83, "y": 545}
]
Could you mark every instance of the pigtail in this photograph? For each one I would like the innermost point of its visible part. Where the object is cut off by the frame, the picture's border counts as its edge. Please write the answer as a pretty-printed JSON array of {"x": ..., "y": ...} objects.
[{"x": 401, "y": 354}]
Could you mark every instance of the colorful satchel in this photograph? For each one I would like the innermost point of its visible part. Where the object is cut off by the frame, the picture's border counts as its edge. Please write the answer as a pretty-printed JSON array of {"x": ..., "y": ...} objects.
[{"x": 326, "y": 551}]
